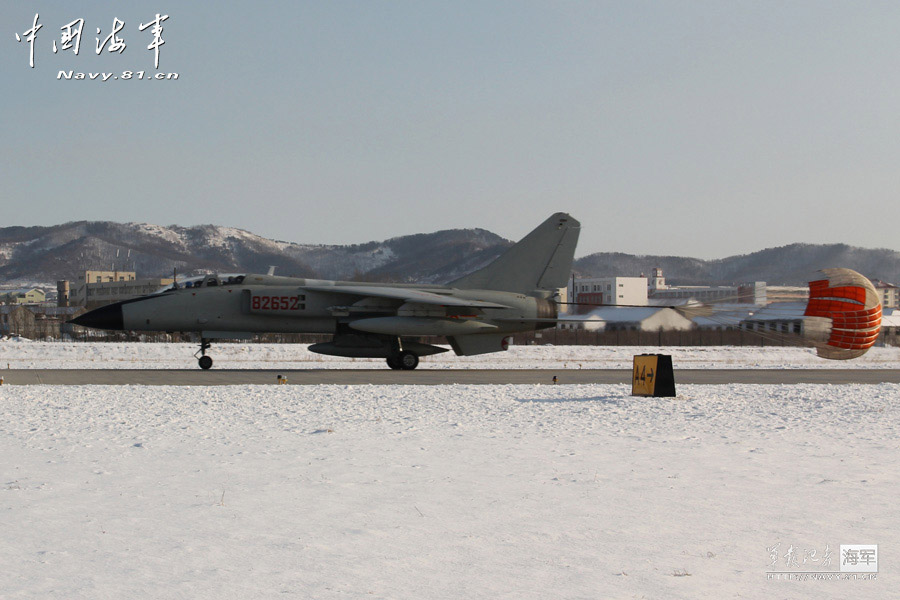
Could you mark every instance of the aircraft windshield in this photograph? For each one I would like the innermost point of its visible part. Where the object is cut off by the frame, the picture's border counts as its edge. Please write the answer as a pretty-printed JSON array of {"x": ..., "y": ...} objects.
[{"x": 203, "y": 281}]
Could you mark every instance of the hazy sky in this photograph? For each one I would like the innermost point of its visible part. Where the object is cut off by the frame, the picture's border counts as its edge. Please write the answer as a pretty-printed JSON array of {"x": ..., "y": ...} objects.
[{"x": 691, "y": 128}]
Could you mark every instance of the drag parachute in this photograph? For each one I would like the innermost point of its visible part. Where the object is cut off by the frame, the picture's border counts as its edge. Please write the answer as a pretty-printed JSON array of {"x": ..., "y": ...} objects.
[{"x": 843, "y": 316}]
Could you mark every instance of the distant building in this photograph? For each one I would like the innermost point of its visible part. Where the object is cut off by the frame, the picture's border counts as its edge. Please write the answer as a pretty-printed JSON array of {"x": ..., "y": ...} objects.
[
  {"x": 23, "y": 296},
  {"x": 628, "y": 318},
  {"x": 724, "y": 317},
  {"x": 786, "y": 293},
  {"x": 37, "y": 322},
  {"x": 98, "y": 288},
  {"x": 657, "y": 281},
  {"x": 16, "y": 320},
  {"x": 643, "y": 291},
  {"x": 777, "y": 318},
  {"x": 105, "y": 277},
  {"x": 890, "y": 326},
  {"x": 62, "y": 293},
  {"x": 749, "y": 293},
  {"x": 611, "y": 291},
  {"x": 888, "y": 293}
]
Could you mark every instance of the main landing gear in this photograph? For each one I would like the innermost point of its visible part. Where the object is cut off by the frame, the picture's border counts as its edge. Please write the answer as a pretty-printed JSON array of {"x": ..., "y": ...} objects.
[
  {"x": 204, "y": 361},
  {"x": 405, "y": 361}
]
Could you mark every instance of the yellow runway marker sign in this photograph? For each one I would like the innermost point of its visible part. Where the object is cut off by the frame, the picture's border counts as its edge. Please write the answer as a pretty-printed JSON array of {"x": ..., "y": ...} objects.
[{"x": 653, "y": 375}]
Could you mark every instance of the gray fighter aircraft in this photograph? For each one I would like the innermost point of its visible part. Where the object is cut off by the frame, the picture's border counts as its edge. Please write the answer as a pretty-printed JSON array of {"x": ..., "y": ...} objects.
[{"x": 476, "y": 313}]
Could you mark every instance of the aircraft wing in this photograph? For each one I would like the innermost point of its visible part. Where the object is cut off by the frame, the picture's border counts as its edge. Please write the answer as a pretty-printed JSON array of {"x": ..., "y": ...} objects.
[
  {"x": 405, "y": 294},
  {"x": 544, "y": 320}
]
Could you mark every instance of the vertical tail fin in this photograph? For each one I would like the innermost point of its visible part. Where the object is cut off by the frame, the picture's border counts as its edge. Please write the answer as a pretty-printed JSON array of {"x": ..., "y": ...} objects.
[{"x": 541, "y": 261}]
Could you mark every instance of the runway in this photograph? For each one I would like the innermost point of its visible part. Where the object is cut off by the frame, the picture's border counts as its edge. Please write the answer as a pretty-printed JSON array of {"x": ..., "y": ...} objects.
[{"x": 196, "y": 377}]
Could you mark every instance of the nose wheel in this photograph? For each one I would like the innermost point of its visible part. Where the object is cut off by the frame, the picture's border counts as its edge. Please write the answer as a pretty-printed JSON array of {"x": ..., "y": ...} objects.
[{"x": 204, "y": 361}]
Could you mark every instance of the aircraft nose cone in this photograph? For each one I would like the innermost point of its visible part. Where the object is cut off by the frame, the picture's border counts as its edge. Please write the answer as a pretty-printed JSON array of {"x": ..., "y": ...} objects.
[{"x": 105, "y": 317}]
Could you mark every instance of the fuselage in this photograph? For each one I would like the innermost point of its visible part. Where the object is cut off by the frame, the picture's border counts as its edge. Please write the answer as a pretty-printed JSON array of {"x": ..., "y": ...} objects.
[{"x": 251, "y": 304}]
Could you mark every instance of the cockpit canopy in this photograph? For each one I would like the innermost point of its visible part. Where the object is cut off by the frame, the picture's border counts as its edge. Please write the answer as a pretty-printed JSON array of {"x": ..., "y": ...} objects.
[
  {"x": 215, "y": 280},
  {"x": 212, "y": 280}
]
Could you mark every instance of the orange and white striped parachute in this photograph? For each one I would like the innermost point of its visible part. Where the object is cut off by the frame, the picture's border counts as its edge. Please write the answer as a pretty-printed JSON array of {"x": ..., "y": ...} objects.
[{"x": 843, "y": 316}]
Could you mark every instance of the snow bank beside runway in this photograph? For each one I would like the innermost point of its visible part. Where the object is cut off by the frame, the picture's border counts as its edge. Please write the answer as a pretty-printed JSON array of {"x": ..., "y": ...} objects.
[
  {"x": 441, "y": 491},
  {"x": 69, "y": 355}
]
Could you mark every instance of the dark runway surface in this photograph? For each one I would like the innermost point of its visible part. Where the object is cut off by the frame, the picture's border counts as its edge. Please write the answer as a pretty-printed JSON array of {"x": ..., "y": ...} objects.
[{"x": 432, "y": 376}]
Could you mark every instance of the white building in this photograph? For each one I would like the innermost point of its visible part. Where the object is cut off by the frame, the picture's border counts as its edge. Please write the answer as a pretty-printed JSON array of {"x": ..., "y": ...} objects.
[
  {"x": 888, "y": 293},
  {"x": 657, "y": 281},
  {"x": 614, "y": 318},
  {"x": 612, "y": 291}
]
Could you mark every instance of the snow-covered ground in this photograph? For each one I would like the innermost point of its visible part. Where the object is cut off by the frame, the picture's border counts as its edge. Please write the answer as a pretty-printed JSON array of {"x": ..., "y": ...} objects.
[
  {"x": 452, "y": 491},
  {"x": 71, "y": 355},
  {"x": 444, "y": 491}
]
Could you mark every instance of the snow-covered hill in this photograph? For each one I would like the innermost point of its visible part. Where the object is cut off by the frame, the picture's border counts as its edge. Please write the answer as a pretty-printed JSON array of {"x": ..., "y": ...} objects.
[
  {"x": 45, "y": 254},
  {"x": 794, "y": 264}
]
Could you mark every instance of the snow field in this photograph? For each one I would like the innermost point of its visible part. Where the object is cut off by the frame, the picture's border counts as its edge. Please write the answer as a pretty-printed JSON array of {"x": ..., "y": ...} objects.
[{"x": 440, "y": 491}]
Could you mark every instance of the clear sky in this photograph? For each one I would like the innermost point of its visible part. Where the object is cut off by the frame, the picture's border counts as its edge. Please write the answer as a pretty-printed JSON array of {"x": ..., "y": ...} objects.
[{"x": 692, "y": 128}]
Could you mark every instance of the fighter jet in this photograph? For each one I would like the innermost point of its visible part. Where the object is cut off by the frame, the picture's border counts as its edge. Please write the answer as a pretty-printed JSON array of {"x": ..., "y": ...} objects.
[{"x": 476, "y": 313}]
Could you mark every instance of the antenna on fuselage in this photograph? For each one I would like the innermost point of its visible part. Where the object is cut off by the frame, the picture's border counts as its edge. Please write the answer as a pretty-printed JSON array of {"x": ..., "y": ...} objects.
[{"x": 271, "y": 270}]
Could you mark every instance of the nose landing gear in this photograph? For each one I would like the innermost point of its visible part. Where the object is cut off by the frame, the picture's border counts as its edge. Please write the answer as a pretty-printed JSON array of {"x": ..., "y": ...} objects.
[{"x": 204, "y": 361}]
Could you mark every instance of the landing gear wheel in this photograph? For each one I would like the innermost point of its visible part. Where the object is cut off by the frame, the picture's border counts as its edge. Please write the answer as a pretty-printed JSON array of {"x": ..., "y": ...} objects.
[
  {"x": 394, "y": 362},
  {"x": 204, "y": 361},
  {"x": 408, "y": 361}
]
